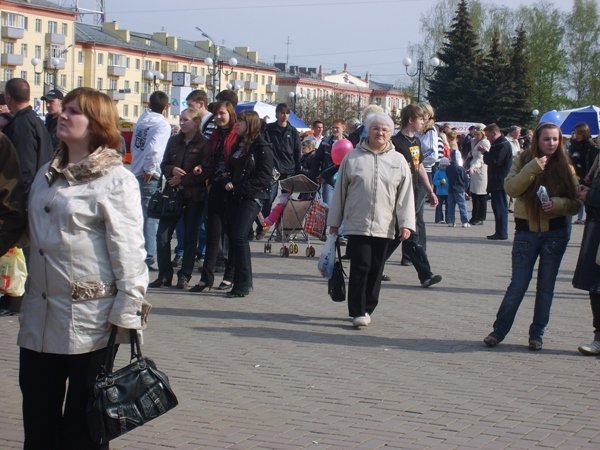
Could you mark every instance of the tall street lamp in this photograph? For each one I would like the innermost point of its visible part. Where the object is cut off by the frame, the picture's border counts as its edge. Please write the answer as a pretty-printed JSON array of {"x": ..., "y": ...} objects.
[
  {"x": 155, "y": 77},
  {"x": 54, "y": 64},
  {"x": 216, "y": 67},
  {"x": 294, "y": 97},
  {"x": 420, "y": 71}
]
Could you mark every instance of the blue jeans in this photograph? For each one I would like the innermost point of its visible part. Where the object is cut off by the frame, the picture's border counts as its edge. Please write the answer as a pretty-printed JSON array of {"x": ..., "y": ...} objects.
[
  {"x": 150, "y": 225},
  {"x": 550, "y": 247},
  {"x": 326, "y": 192},
  {"x": 180, "y": 233},
  {"x": 457, "y": 198},
  {"x": 500, "y": 208}
]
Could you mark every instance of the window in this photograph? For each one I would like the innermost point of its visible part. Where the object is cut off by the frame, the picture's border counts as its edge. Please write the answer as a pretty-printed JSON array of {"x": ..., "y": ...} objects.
[
  {"x": 116, "y": 60},
  {"x": 126, "y": 110},
  {"x": 79, "y": 81},
  {"x": 136, "y": 87},
  {"x": 256, "y": 78},
  {"x": 99, "y": 84},
  {"x": 9, "y": 48},
  {"x": 262, "y": 79},
  {"x": 80, "y": 57},
  {"x": 137, "y": 64},
  {"x": 24, "y": 74},
  {"x": 126, "y": 84},
  {"x": 136, "y": 110},
  {"x": 38, "y": 51},
  {"x": 8, "y": 74},
  {"x": 194, "y": 70},
  {"x": 112, "y": 84},
  {"x": 270, "y": 80},
  {"x": 14, "y": 20},
  {"x": 65, "y": 29},
  {"x": 127, "y": 62},
  {"x": 37, "y": 79},
  {"x": 38, "y": 25},
  {"x": 100, "y": 59},
  {"x": 63, "y": 80},
  {"x": 185, "y": 68},
  {"x": 57, "y": 51},
  {"x": 52, "y": 27},
  {"x": 24, "y": 50},
  {"x": 147, "y": 65}
]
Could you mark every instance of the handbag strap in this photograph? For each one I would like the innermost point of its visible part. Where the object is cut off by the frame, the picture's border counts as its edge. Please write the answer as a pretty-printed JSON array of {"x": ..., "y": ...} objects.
[
  {"x": 136, "y": 351},
  {"x": 338, "y": 248}
]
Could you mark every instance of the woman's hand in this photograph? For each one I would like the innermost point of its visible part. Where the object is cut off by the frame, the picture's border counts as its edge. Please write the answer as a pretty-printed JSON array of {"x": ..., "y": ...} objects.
[
  {"x": 547, "y": 206},
  {"x": 178, "y": 172},
  {"x": 333, "y": 230},
  {"x": 404, "y": 234},
  {"x": 229, "y": 186},
  {"x": 174, "y": 181},
  {"x": 542, "y": 161},
  {"x": 197, "y": 170},
  {"x": 433, "y": 200},
  {"x": 582, "y": 192}
]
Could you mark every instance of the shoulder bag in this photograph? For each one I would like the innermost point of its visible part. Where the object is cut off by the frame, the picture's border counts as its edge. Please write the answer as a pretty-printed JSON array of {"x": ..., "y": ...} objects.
[
  {"x": 337, "y": 283},
  {"x": 166, "y": 202},
  {"x": 128, "y": 398}
]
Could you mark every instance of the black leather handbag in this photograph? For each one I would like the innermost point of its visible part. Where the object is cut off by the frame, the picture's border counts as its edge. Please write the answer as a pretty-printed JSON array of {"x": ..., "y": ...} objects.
[
  {"x": 128, "y": 398},
  {"x": 166, "y": 202},
  {"x": 336, "y": 286}
]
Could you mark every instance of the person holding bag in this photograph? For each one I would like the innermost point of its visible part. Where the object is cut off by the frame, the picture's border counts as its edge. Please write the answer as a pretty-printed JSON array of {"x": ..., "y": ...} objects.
[
  {"x": 251, "y": 168},
  {"x": 373, "y": 197},
  {"x": 88, "y": 273},
  {"x": 187, "y": 166}
]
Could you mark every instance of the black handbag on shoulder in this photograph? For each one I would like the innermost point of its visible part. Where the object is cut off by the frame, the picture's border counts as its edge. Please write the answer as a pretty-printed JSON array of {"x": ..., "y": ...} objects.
[
  {"x": 166, "y": 202},
  {"x": 337, "y": 283},
  {"x": 128, "y": 398}
]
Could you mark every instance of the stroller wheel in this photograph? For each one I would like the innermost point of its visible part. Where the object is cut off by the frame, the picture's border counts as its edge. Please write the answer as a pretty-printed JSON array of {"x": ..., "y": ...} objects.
[
  {"x": 266, "y": 249},
  {"x": 312, "y": 251},
  {"x": 295, "y": 248},
  {"x": 282, "y": 251},
  {"x": 308, "y": 252},
  {"x": 286, "y": 252}
]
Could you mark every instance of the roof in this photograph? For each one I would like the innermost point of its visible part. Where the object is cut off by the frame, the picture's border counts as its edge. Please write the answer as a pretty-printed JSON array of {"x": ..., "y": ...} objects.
[
  {"x": 143, "y": 42},
  {"x": 42, "y": 4}
]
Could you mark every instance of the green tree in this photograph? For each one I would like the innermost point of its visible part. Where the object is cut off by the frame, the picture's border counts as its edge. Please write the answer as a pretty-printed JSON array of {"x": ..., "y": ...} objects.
[
  {"x": 582, "y": 45},
  {"x": 519, "y": 82},
  {"x": 451, "y": 85}
]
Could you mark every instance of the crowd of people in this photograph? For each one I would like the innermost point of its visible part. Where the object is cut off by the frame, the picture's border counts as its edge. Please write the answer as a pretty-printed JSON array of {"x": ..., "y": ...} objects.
[{"x": 92, "y": 242}]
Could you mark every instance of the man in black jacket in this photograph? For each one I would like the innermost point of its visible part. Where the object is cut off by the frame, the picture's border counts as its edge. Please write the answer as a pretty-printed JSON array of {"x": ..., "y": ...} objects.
[
  {"x": 26, "y": 131},
  {"x": 286, "y": 148},
  {"x": 499, "y": 161},
  {"x": 53, "y": 99}
]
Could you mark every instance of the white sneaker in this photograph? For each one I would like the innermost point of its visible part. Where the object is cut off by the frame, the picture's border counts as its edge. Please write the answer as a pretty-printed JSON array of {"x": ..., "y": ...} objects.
[
  {"x": 466, "y": 225},
  {"x": 452, "y": 225},
  {"x": 361, "y": 321},
  {"x": 591, "y": 349}
]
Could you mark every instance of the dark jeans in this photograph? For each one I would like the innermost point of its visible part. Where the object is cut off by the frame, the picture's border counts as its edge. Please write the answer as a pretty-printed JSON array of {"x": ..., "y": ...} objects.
[
  {"x": 215, "y": 225},
  {"x": 51, "y": 421},
  {"x": 367, "y": 259},
  {"x": 479, "y": 210},
  {"x": 192, "y": 211},
  {"x": 412, "y": 249},
  {"x": 180, "y": 233},
  {"x": 420, "y": 200},
  {"x": 549, "y": 247},
  {"x": 441, "y": 210},
  {"x": 500, "y": 208},
  {"x": 595, "y": 303},
  {"x": 240, "y": 215}
]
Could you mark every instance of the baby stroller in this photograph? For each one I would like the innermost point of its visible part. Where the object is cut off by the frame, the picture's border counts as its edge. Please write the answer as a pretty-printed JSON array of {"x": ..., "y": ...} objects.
[{"x": 290, "y": 226}]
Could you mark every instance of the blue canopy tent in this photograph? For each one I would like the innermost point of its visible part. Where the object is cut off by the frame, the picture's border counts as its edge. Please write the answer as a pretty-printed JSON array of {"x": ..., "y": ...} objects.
[
  {"x": 569, "y": 118},
  {"x": 264, "y": 109}
]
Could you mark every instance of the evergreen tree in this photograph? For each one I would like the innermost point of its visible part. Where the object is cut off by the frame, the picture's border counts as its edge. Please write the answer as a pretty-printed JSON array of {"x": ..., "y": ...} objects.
[
  {"x": 519, "y": 82},
  {"x": 450, "y": 87}
]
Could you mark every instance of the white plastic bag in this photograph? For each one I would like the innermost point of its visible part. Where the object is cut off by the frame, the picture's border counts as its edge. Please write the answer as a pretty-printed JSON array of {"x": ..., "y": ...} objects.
[
  {"x": 13, "y": 272},
  {"x": 327, "y": 258}
]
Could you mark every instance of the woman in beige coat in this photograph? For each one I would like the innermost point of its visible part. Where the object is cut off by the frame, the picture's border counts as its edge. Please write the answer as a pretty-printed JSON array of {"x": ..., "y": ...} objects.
[
  {"x": 87, "y": 272},
  {"x": 478, "y": 171}
]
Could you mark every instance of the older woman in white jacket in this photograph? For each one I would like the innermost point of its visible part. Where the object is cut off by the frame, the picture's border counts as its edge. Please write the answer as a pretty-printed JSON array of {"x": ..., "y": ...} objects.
[
  {"x": 374, "y": 199},
  {"x": 87, "y": 271},
  {"x": 478, "y": 172}
]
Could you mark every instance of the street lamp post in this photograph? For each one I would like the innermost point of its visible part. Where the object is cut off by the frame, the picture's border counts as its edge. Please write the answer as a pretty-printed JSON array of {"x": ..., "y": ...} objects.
[
  {"x": 294, "y": 97},
  {"x": 420, "y": 71},
  {"x": 54, "y": 66},
  {"x": 155, "y": 77},
  {"x": 216, "y": 67}
]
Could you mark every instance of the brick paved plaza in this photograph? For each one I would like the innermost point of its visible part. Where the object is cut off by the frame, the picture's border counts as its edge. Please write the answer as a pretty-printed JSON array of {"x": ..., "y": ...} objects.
[{"x": 284, "y": 369}]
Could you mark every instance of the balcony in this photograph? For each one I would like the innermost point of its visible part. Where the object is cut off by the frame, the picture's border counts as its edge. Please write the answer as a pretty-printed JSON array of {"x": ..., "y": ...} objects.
[
  {"x": 250, "y": 85},
  {"x": 116, "y": 71},
  {"x": 272, "y": 88},
  {"x": 116, "y": 94},
  {"x": 55, "y": 38},
  {"x": 237, "y": 85},
  {"x": 12, "y": 32},
  {"x": 8, "y": 59},
  {"x": 198, "y": 79},
  {"x": 146, "y": 97}
]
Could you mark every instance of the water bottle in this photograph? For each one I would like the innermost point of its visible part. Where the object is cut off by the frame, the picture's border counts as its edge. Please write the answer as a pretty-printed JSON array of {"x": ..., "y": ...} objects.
[{"x": 542, "y": 194}]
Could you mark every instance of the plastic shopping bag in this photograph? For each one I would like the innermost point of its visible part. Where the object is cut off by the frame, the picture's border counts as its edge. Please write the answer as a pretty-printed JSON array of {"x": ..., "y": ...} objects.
[
  {"x": 13, "y": 272},
  {"x": 327, "y": 258}
]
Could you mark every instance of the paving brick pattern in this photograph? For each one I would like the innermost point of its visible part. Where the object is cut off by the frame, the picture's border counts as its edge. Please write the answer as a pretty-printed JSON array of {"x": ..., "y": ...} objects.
[{"x": 284, "y": 369}]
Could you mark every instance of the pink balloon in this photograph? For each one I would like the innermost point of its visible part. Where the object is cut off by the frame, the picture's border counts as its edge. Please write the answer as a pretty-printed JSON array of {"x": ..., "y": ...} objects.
[{"x": 339, "y": 150}]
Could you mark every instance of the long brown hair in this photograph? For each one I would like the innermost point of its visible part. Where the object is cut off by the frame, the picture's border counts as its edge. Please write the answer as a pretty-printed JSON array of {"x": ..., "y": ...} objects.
[
  {"x": 252, "y": 128},
  {"x": 557, "y": 176}
]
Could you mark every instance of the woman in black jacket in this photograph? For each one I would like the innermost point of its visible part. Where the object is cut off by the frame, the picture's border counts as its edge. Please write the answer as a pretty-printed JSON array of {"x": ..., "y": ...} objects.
[{"x": 251, "y": 169}]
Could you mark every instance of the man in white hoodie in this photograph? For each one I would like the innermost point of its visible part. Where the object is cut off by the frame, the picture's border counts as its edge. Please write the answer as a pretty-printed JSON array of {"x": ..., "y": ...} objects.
[{"x": 150, "y": 137}]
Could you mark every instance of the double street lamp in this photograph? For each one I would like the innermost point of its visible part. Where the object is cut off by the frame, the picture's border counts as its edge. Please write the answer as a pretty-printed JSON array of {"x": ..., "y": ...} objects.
[
  {"x": 155, "y": 77},
  {"x": 54, "y": 63},
  {"x": 294, "y": 97},
  {"x": 420, "y": 71},
  {"x": 216, "y": 67}
]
